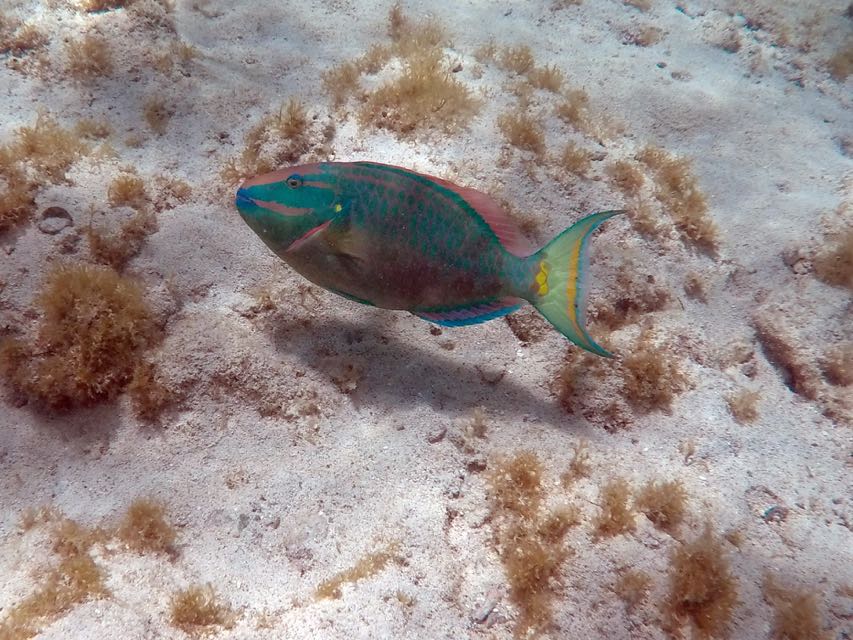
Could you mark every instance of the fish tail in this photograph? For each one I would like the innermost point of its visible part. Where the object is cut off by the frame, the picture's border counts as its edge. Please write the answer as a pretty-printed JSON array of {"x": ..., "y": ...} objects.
[{"x": 559, "y": 284}]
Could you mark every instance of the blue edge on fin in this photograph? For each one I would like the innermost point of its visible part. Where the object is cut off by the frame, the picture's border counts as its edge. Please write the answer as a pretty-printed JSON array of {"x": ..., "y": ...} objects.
[{"x": 468, "y": 315}]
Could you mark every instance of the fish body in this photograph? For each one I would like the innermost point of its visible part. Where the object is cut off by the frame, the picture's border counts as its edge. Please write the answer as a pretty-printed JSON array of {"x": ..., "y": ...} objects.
[{"x": 397, "y": 239}]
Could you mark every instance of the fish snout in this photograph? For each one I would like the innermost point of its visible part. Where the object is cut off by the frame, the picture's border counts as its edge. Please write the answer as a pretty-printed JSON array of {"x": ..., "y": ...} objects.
[{"x": 243, "y": 199}]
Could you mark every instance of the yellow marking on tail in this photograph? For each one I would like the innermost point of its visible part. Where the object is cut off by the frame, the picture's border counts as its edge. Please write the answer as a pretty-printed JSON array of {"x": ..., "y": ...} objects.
[
  {"x": 572, "y": 286},
  {"x": 542, "y": 278}
]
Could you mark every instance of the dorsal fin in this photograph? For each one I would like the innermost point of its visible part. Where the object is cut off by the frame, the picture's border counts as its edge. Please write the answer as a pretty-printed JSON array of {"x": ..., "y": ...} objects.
[{"x": 504, "y": 227}]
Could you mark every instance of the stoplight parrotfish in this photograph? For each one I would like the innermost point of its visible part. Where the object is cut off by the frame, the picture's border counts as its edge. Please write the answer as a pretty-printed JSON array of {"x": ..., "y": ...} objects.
[{"x": 396, "y": 239}]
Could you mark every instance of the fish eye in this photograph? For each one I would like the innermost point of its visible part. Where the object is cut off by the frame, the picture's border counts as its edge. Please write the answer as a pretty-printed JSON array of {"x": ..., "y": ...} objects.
[{"x": 294, "y": 181}]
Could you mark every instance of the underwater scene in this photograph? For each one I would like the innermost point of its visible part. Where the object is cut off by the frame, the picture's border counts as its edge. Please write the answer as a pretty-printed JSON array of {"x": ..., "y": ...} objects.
[{"x": 439, "y": 320}]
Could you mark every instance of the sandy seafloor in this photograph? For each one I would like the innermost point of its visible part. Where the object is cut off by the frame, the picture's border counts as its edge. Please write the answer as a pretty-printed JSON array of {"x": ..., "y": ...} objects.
[{"x": 268, "y": 502}]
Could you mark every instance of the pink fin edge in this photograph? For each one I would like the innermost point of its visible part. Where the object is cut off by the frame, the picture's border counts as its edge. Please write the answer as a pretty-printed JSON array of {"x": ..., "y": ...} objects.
[{"x": 502, "y": 225}]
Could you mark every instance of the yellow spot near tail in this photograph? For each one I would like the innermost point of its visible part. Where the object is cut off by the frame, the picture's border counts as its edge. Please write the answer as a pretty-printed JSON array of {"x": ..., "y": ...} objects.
[
  {"x": 542, "y": 278},
  {"x": 338, "y": 208}
]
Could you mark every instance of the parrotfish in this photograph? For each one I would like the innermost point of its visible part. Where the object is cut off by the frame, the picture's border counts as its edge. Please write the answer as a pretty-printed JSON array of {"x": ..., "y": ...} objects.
[{"x": 397, "y": 239}]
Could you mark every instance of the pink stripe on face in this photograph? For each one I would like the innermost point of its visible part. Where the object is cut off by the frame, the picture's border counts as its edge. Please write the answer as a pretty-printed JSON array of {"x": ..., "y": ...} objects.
[
  {"x": 298, "y": 243},
  {"x": 280, "y": 208}
]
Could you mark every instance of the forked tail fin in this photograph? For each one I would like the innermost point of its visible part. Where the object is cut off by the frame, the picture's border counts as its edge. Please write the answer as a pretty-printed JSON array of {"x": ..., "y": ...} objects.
[{"x": 559, "y": 288}]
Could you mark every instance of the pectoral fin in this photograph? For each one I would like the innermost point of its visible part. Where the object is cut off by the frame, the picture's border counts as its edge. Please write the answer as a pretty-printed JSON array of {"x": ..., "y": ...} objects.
[
  {"x": 337, "y": 240},
  {"x": 344, "y": 240}
]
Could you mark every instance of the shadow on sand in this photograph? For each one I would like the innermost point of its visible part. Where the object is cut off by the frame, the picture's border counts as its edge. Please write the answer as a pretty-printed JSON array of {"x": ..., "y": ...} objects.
[{"x": 388, "y": 372}]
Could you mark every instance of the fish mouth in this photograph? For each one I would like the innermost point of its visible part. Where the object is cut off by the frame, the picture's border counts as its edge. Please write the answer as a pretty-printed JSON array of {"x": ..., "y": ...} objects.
[{"x": 243, "y": 199}]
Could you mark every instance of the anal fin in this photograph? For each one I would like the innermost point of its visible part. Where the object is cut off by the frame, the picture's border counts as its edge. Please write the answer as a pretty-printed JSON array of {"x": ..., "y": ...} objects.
[{"x": 475, "y": 313}]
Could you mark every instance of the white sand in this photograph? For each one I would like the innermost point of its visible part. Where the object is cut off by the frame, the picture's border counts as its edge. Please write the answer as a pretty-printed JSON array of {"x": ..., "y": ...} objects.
[{"x": 267, "y": 507}]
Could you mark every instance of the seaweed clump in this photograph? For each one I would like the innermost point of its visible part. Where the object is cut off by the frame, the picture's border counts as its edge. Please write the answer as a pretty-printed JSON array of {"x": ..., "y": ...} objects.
[
  {"x": 837, "y": 364},
  {"x": 89, "y": 58},
  {"x": 626, "y": 177},
  {"x": 530, "y": 538},
  {"x": 638, "y": 293},
  {"x": 702, "y": 589},
  {"x": 695, "y": 287},
  {"x": 410, "y": 38},
  {"x": 574, "y": 110},
  {"x": 71, "y": 539},
  {"x": 579, "y": 466},
  {"x": 529, "y": 327},
  {"x": 197, "y": 610},
  {"x": 743, "y": 405},
  {"x": 17, "y": 200},
  {"x": 367, "y": 566},
  {"x": 95, "y": 324},
  {"x": 663, "y": 503},
  {"x": 93, "y": 6},
  {"x": 523, "y": 131},
  {"x": 783, "y": 350},
  {"x": 840, "y": 65},
  {"x": 117, "y": 247},
  {"x": 76, "y": 579},
  {"x": 425, "y": 95},
  {"x": 127, "y": 189},
  {"x": 834, "y": 264},
  {"x": 145, "y": 528},
  {"x": 799, "y": 369},
  {"x": 678, "y": 191},
  {"x": 795, "y": 613},
  {"x": 149, "y": 395},
  {"x": 278, "y": 139},
  {"x": 651, "y": 377},
  {"x": 616, "y": 515},
  {"x": 341, "y": 81},
  {"x": 576, "y": 160},
  {"x": 632, "y": 586},
  {"x": 41, "y": 152},
  {"x": 19, "y": 39},
  {"x": 580, "y": 385},
  {"x": 157, "y": 113},
  {"x": 548, "y": 77},
  {"x": 642, "y": 35},
  {"x": 49, "y": 148},
  {"x": 518, "y": 59}
]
